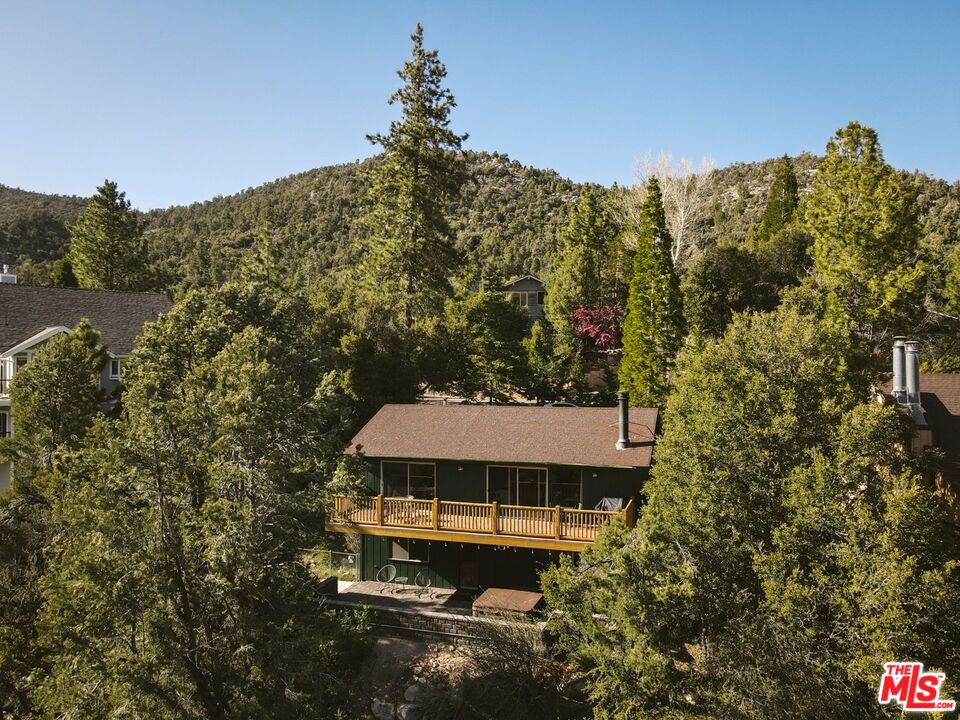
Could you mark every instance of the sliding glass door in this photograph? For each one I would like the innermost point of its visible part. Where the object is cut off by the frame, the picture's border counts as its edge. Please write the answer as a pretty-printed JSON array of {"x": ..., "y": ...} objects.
[{"x": 517, "y": 485}]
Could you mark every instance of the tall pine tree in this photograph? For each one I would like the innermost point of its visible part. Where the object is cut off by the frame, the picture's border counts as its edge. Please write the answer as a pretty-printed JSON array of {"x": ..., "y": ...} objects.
[
  {"x": 580, "y": 278},
  {"x": 654, "y": 328},
  {"x": 176, "y": 587},
  {"x": 56, "y": 399},
  {"x": 781, "y": 202},
  {"x": 107, "y": 249},
  {"x": 489, "y": 330},
  {"x": 862, "y": 216},
  {"x": 409, "y": 254}
]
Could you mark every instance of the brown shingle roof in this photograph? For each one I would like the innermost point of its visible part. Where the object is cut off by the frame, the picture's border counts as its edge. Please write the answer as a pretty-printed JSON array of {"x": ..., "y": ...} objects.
[
  {"x": 940, "y": 400},
  {"x": 485, "y": 433},
  {"x": 118, "y": 316}
]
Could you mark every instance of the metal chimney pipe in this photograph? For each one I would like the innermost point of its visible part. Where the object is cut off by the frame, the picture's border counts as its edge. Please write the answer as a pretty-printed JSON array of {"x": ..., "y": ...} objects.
[
  {"x": 912, "y": 352},
  {"x": 624, "y": 405},
  {"x": 899, "y": 370}
]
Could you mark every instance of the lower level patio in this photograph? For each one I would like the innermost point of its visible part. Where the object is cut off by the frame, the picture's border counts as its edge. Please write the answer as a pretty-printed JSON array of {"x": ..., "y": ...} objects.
[
  {"x": 446, "y": 615},
  {"x": 404, "y": 597}
]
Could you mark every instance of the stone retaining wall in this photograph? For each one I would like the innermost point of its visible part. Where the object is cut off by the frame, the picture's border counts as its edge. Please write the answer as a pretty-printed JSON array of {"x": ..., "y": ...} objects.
[
  {"x": 417, "y": 623},
  {"x": 402, "y": 622}
]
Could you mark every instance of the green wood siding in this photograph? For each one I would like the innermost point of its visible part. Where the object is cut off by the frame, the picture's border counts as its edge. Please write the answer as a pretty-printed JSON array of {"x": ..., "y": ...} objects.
[
  {"x": 468, "y": 484},
  {"x": 443, "y": 569},
  {"x": 517, "y": 568},
  {"x": 467, "y": 481},
  {"x": 611, "y": 482},
  {"x": 498, "y": 567}
]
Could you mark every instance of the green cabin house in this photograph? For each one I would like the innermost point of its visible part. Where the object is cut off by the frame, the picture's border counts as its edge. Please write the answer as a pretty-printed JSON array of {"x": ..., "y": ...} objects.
[{"x": 479, "y": 496}]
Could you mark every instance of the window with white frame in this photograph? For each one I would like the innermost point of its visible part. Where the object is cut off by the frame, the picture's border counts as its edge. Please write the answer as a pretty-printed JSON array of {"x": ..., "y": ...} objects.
[
  {"x": 510, "y": 485},
  {"x": 410, "y": 550},
  {"x": 21, "y": 360},
  {"x": 4, "y": 424},
  {"x": 408, "y": 479},
  {"x": 528, "y": 299},
  {"x": 116, "y": 368}
]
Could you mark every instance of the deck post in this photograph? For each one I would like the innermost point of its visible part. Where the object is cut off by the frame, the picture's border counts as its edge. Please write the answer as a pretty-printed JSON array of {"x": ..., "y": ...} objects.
[
  {"x": 629, "y": 514},
  {"x": 378, "y": 507},
  {"x": 436, "y": 513},
  {"x": 556, "y": 522},
  {"x": 493, "y": 517}
]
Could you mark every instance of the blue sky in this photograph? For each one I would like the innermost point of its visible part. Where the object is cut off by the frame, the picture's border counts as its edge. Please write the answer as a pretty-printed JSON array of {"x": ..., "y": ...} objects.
[{"x": 181, "y": 101}]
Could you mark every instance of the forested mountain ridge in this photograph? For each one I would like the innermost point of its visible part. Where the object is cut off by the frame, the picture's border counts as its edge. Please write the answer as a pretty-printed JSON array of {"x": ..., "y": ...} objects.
[
  {"x": 508, "y": 214},
  {"x": 509, "y": 219},
  {"x": 32, "y": 223}
]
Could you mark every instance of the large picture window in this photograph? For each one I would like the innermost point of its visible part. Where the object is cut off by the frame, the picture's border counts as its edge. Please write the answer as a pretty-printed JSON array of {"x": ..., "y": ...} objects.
[
  {"x": 408, "y": 479},
  {"x": 565, "y": 487},
  {"x": 517, "y": 485}
]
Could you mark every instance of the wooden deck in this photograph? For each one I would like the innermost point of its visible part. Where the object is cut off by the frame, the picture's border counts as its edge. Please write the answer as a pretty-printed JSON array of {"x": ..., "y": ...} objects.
[{"x": 550, "y": 528}]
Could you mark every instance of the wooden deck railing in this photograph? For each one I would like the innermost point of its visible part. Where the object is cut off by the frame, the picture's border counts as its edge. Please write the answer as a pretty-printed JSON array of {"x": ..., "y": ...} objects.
[{"x": 557, "y": 523}]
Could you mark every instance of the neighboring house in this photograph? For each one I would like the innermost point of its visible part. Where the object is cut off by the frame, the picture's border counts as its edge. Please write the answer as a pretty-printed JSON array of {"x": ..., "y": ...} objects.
[
  {"x": 478, "y": 496},
  {"x": 933, "y": 400},
  {"x": 30, "y": 316},
  {"x": 529, "y": 292}
]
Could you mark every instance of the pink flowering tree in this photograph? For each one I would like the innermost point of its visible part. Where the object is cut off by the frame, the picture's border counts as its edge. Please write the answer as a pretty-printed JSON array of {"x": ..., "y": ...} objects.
[{"x": 599, "y": 327}]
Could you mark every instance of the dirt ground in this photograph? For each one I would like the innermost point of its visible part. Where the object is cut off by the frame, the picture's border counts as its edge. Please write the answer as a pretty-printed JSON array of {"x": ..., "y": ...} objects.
[{"x": 395, "y": 664}]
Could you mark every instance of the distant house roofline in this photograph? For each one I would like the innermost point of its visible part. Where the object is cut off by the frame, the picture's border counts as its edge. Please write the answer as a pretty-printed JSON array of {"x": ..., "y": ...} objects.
[
  {"x": 524, "y": 277},
  {"x": 118, "y": 316},
  {"x": 40, "y": 337}
]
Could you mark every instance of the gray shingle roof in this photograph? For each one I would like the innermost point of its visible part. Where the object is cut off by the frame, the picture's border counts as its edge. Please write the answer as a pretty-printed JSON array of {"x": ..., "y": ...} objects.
[
  {"x": 118, "y": 316},
  {"x": 520, "y": 434}
]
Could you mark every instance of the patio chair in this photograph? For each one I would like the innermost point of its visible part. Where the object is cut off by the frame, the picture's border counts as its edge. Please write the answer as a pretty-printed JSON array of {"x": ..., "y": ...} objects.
[
  {"x": 385, "y": 576},
  {"x": 423, "y": 584}
]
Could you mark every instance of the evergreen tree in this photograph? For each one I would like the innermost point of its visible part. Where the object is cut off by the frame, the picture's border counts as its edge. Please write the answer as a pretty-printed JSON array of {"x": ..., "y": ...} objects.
[
  {"x": 107, "y": 249},
  {"x": 55, "y": 399},
  {"x": 581, "y": 277},
  {"x": 545, "y": 378},
  {"x": 724, "y": 281},
  {"x": 653, "y": 329},
  {"x": 781, "y": 202},
  {"x": 490, "y": 330},
  {"x": 788, "y": 544},
  {"x": 62, "y": 274},
  {"x": 409, "y": 254},
  {"x": 177, "y": 587},
  {"x": 863, "y": 220}
]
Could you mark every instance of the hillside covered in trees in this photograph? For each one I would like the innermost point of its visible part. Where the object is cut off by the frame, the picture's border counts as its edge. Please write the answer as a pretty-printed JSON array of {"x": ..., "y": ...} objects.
[
  {"x": 33, "y": 224},
  {"x": 509, "y": 218}
]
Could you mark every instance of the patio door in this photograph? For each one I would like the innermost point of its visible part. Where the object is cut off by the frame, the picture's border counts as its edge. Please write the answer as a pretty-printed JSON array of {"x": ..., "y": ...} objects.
[
  {"x": 513, "y": 485},
  {"x": 469, "y": 568}
]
